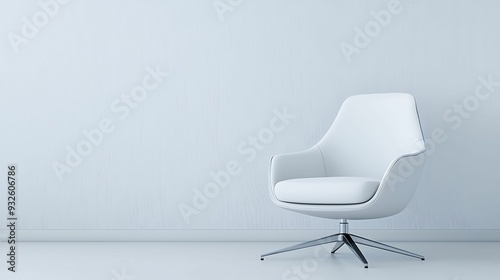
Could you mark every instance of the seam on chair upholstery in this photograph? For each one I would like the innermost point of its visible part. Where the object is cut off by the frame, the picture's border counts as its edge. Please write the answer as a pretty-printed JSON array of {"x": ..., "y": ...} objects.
[
  {"x": 270, "y": 172},
  {"x": 418, "y": 118},
  {"x": 323, "y": 159}
]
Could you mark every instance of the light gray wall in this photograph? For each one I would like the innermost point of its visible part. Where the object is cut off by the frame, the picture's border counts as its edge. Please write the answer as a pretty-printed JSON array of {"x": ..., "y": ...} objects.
[{"x": 230, "y": 75}]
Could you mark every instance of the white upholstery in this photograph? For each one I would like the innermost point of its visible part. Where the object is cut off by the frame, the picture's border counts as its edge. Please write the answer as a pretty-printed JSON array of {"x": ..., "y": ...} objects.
[
  {"x": 370, "y": 131},
  {"x": 373, "y": 136},
  {"x": 327, "y": 190}
]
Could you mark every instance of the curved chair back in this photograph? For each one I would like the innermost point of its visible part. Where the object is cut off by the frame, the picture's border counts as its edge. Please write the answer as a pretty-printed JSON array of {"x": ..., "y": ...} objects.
[{"x": 369, "y": 133}]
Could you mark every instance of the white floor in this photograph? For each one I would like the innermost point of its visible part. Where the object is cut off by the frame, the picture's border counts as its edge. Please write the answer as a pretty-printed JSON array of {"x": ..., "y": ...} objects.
[{"x": 240, "y": 260}]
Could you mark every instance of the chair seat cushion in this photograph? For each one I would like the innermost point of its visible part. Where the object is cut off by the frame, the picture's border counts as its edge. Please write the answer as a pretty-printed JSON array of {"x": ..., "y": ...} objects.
[{"x": 327, "y": 190}]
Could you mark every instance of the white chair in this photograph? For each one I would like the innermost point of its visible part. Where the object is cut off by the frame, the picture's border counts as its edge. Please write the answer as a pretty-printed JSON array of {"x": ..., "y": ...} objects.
[{"x": 367, "y": 166}]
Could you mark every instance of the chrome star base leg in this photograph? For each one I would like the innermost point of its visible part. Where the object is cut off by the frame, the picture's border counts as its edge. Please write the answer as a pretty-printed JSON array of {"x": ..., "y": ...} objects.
[
  {"x": 382, "y": 246},
  {"x": 350, "y": 240},
  {"x": 321, "y": 241}
]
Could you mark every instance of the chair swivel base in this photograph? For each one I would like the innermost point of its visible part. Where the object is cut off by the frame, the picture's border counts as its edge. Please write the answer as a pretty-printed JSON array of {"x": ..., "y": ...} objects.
[{"x": 350, "y": 240}]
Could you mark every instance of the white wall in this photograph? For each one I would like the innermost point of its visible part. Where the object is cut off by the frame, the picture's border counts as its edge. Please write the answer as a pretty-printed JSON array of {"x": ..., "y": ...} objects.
[{"x": 225, "y": 79}]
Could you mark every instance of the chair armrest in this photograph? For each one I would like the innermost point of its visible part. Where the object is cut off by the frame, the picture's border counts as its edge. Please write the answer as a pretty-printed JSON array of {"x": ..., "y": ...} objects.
[
  {"x": 305, "y": 164},
  {"x": 398, "y": 184}
]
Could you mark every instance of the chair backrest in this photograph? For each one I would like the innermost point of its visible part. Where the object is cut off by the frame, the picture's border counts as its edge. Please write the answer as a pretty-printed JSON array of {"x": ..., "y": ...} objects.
[{"x": 369, "y": 133}]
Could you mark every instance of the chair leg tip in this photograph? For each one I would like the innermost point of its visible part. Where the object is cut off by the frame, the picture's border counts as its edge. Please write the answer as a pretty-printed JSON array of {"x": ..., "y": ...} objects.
[
  {"x": 261, "y": 258},
  {"x": 423, "y": 259},
  {"x": 366, "y": 266}
]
